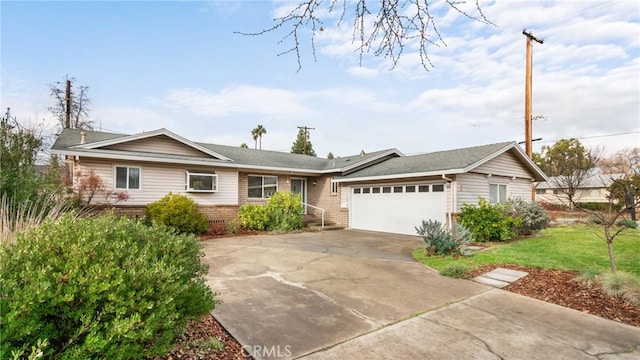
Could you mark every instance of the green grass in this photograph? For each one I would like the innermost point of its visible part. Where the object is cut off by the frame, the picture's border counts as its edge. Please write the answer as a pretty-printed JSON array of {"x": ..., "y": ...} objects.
[{"x": 579, "y": 248}]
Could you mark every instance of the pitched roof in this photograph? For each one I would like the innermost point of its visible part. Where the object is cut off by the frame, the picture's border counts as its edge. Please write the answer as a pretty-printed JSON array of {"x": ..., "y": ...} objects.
[
  {"x": 449, "y": 161},
  {"x": 596, "y": 180},
  {"x": 69, "y": 141}
]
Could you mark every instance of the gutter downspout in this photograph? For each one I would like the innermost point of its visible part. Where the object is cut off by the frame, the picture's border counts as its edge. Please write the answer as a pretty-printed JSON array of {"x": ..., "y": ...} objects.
[{"x": 453, "y": 200}]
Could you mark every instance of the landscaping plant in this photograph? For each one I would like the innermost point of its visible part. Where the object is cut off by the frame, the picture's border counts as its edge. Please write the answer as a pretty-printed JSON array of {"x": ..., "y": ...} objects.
[
  {"x": 489, "y": 222},
  {"x": 533, "y": 217},
  {"x": 102, "y": 287},
  {"x": 179, "y": 213},
  {"x": 439, "y": 241},
  {"x": 283, "y": 212}
]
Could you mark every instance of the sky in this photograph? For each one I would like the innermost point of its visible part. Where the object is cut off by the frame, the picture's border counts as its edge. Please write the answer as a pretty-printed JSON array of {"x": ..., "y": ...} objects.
[{"x": 183, "y": 66}]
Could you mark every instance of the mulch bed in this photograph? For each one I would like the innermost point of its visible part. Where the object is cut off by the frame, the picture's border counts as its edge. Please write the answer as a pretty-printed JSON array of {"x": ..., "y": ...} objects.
[
  {"x": 200, "y": 331},
  {"x": 558, "y": 287}
]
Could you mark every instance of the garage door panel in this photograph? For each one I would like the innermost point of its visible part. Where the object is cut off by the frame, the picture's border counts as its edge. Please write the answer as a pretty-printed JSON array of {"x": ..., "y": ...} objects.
[{"x": 396, "y": 212}]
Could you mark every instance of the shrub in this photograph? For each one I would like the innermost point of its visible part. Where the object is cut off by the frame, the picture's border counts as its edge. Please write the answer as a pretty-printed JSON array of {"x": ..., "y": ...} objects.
[
  {"x": 253, "y": 217},
  {"x": 436, "y": 238},
  {"x": 533, "y": 217},
  {"x": 457, "y": 270},
  {"x": 283, "y": 212},
  {"x": 179, "y": 213},
  {"x": 488, "y": 222},
  {"x": 103, "y": 287}
]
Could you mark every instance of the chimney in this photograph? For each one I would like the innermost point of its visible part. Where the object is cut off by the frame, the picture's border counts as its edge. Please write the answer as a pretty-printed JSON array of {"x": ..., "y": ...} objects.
[{"x": 83, "y": 137}]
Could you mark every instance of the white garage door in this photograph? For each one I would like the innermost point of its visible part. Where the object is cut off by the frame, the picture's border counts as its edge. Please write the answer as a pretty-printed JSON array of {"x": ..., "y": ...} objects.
[{"x": 396, "y": 208}]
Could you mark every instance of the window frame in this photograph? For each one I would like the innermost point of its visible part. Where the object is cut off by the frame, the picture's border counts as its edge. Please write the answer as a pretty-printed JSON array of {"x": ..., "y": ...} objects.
[
  {"x": 214, "y": 181},
  {"x": 335, "y": 187},
  {"x": 498, "y": 198},
  {"x": 262, "y": 185},
  {"x": 128, "y": 179}
]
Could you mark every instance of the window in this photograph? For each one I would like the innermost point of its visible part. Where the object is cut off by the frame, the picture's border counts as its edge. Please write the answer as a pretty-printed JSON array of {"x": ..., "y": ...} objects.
[
  {"x": 334, "y": 186},
  {"x": 262, "y": 187},
  {"x": 127, "y": 177},
  {"x": 357, "y": 191},
  {"x": 438, "y": 188},
  {"x": 541, "y": 191},
  {"x": 376, "y": 190},
  {"x": 386, "y": 189},
  {"x": 397, "y": 189},
  {"x": 423, "y": 188},
  {"x": 201, "y": 182},
  {"x": 410, "y": 188},
  {"x": 497, "y": 193},
  {"x": 366, "y": 190}
]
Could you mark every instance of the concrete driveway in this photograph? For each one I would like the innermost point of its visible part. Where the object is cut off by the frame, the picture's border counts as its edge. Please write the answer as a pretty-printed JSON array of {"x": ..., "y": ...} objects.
[{"x": 356, "y": 294}]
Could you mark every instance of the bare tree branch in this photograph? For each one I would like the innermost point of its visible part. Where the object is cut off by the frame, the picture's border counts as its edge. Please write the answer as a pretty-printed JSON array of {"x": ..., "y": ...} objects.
[
  {"x": 395, "y": 25},
  {"x": 79, "y": 104}
]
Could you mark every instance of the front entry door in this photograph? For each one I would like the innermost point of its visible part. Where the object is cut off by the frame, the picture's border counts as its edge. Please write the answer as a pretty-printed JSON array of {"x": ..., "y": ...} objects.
[{"x": 299, "y": 186}]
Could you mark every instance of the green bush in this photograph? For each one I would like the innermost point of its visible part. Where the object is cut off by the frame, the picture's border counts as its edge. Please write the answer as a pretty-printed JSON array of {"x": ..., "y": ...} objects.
[
  {"x": 283, "y": 212},
  {"x": 457, "y": 270},
  {"x": 253, "y": 217},
  {"x": 179, "y": 213},
  {"x": 489, "y": 222},
  {"x": 436, "y": 238},
  {"x": 533, "y": 216},
  {"x": 104, "y": 287}
]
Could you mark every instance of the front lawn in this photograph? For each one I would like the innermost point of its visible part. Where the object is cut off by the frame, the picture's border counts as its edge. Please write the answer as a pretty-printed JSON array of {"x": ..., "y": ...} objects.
[{"x": 577, "y": 247}]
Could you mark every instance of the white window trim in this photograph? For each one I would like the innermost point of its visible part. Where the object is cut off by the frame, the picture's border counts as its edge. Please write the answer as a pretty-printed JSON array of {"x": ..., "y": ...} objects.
[
  {"x": 335, "y": 187},
  {"x": 214, "y": 182},
  {"x": 506, "y": 193},
  {"x": 115, "y": 177},
  {"x": 262, "y": 186}
]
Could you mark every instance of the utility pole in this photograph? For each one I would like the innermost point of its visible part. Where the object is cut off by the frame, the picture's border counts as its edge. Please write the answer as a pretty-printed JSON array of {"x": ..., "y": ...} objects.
[
  {"x": 67, "y": 110},
  {"x": 305, "y": 130},
  {"x": 527, "y": 93}
]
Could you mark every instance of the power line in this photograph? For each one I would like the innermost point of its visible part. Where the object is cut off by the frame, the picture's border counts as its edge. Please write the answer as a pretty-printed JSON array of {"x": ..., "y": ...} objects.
[{"x": 594, "y": 136}]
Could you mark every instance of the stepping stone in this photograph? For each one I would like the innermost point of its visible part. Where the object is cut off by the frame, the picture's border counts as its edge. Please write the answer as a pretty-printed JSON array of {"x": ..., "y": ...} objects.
[
  {"x": 500, "y": 277},
  {"x": 491, "y": 282}
]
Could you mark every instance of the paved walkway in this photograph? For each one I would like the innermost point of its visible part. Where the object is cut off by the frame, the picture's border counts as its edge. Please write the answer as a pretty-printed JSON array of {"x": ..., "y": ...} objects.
[{"x": 356, "y": 294}]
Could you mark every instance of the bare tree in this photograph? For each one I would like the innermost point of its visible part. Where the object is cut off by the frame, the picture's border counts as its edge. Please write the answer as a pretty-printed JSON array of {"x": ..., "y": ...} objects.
[
  {"x": 79, "y": 104},
  {"x": 625, "y": 161},
  {"x": 623, "y": 195},
  {"x": 383, "y": 27}
]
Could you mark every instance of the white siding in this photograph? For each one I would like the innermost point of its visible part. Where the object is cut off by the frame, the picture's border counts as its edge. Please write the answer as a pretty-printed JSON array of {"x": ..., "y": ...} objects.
[
  {"x": 344, "y": 196},
  {"x": 159, "y": 179},
  {"x": 160, "y": 144},
  {"x": 505, "y": 164},
  {"x": 472, "y": 186}
]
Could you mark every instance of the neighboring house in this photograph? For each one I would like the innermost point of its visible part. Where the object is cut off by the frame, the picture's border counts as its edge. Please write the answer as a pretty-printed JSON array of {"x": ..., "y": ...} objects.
[
  {"x": 592, "y": 190},
  {"x": 381, "y": 191}
]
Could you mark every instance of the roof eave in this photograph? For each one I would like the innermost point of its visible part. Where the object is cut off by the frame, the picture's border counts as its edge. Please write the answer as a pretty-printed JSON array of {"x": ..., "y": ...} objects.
[
  {"x": 207, "y": 162},
  {"x": 400, "y": 176},
  {"x": 148, "y": 134},
  {"x": 539, "y": 175}
]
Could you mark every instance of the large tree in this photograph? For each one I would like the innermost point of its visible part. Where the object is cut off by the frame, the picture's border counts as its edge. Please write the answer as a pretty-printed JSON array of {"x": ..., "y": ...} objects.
[
  {"x": 302, "y": 144},
  {"x": 79, "y": 109},
  {"x": 382, "y": 27},
  {"x": 569, "y": 164}
]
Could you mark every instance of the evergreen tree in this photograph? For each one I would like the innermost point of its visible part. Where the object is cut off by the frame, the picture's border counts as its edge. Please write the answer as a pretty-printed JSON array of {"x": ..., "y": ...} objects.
[{"x": 303, "y": 145}]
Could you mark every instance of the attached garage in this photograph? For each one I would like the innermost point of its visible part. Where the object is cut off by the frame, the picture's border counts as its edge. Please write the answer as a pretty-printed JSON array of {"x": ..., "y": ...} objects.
[{"x": 396, "y": 208}]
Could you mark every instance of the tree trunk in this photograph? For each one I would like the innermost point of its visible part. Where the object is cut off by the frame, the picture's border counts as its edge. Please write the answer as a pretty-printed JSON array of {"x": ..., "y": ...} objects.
[{"x": 612, "y": 259}]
